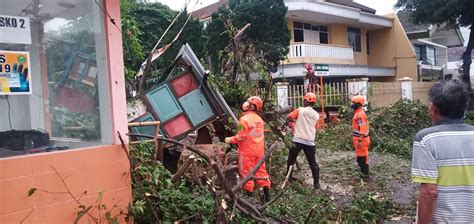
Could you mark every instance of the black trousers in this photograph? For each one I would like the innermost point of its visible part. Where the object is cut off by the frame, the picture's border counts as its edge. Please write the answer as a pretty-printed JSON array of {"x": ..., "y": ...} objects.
[
  {"x": 310, "y": 152},
  {"x": 364, "y": 167}
]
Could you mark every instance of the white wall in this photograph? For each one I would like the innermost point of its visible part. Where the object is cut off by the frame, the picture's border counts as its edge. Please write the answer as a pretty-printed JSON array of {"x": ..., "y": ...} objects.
[{"x": 19, "y": 113}]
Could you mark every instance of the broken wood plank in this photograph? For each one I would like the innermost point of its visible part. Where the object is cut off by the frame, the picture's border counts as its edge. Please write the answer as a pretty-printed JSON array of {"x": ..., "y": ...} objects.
[
  {"x": 145, "y": 123},
  {"x": 183, "y": 168},
  {"x": 159, "y": 149}
]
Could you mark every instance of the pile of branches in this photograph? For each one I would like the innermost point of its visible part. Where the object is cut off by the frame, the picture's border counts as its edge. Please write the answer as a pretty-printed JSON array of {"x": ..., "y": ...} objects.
[
  {"x": 225, "y": 196},
  {"x": 392, "y": 128}
]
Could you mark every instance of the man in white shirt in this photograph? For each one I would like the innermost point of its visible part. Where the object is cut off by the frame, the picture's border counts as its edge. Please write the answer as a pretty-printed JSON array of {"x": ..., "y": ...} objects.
[{"x": 306, "y": 120}]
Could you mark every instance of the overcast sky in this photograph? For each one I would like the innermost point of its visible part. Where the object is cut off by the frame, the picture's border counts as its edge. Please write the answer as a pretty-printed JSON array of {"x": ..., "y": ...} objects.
[{"x": 382, "y": 6}]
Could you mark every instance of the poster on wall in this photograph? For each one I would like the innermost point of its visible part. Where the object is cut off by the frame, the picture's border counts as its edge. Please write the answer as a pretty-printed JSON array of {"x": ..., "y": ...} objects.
[
  {"x": 15, "y": 30},
  {"x": 14, "y": 73}
]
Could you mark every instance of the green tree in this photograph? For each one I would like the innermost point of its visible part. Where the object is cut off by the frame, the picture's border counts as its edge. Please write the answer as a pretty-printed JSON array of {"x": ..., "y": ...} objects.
[
  {"x": 266, "y": 41},
  {"x": 268, "y": 32},
  {"x": 133, "y": 50},
  {"x": 450, "y": 12},
  {"x": 217, "y": 39},
  {"x": 152, "y": 20}
]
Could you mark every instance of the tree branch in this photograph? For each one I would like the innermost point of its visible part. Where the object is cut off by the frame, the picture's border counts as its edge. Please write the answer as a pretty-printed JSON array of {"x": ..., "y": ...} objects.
[
  {"x": 132, "y": 167},
  {"x": 287, "y": 176},
  {"x": 310, "y": 214},
  {"x": 243, "y": 205},
  {"x": 28, "y": 215},
  {"x": 72, "y": 195},
  {"x": 183, "y": 168},
  {"x": 281, "y": 193},
  {"x": 267, "y": 155}
]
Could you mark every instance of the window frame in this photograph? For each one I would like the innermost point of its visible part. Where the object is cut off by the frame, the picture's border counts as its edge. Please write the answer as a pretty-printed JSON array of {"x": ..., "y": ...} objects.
[
  {"x": 367, "y": 42},
  {"x": 302, "y": 26},
  {"x": 106, "y": 52},
  {"x": 357, "y": 35}
]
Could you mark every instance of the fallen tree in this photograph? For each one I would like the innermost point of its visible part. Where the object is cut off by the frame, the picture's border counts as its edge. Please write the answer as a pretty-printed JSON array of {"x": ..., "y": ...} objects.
[{"x": 222, "y": 192}]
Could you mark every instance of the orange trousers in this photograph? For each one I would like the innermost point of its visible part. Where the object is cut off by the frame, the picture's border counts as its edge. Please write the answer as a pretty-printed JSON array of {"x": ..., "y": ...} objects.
[
  {"x": 246, "y": 164},
  {"x": 363, "y": 149}
]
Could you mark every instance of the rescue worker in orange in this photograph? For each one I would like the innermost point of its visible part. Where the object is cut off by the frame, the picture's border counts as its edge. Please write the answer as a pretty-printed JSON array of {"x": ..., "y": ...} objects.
[
  {"x": 360, "y": 135},
  {"x": 250, "y": 141},
  {"x": 306, "y": 121}
]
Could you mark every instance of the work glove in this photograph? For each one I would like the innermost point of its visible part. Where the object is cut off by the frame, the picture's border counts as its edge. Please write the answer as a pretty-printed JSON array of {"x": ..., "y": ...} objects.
[
  {"x": 227, "y": 140},
  {"x": 359, "y": 144}
]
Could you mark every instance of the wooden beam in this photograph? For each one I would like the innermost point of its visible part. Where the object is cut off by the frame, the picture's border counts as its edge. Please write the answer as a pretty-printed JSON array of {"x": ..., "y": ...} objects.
[
  {"x": 183, "y": 168},
  {"x": 146, "y": 123}
]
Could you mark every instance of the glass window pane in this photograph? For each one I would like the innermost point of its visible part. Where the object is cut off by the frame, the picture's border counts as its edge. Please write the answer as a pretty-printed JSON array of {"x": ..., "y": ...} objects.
[
  {"x": 323, "y": 38},
  {"x": 69, "y": 97},
  {"x": 430, "y": 55},
  {"x": 307, "y": 26},
  {"x": 351, "y": 39},
  {"x": 298, "y": 35},
  {"x": 354, "y": 38},
  {"x": 358, "y": 46},
  {"x": 315, "y": 28},
  {"x": 298, "y": 25},
  {"x": 367, "y": 40},
  {"x": 354, "y": 30},
  {"x": 323, "y": 28}
]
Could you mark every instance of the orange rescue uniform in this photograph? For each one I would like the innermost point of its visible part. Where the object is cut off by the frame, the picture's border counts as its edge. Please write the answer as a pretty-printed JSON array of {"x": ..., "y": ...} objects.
[
  {"x": 250, "y": 142},
  {"x": 360, "y": 134}
]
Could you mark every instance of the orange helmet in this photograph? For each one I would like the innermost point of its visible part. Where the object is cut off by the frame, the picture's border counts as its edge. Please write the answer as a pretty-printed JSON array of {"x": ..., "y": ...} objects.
[
  {"x": 246, "y": 106},
  {"x": 358, "y": 99},
  {"x": 310, "y": 97},
  {"x": 257, "y": 102}
]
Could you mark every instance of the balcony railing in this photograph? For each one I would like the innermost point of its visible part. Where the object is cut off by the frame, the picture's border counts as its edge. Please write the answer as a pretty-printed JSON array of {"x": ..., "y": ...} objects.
[{"x": 321, "y": 51}]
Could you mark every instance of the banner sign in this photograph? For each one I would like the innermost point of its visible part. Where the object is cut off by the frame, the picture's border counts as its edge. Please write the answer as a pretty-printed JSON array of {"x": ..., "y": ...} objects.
[
  {"x": 321, "y": 70},
  {"x": 15, "y": 30},
  {"x": 14, "y": 73}
]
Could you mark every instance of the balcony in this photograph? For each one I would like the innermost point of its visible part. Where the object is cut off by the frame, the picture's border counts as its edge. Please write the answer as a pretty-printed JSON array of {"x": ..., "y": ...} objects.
[{"x": 322, "y": 51}]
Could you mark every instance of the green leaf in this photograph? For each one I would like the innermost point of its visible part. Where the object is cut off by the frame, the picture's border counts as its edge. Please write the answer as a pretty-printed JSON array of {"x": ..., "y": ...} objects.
[{"x": 99, "y": 196}]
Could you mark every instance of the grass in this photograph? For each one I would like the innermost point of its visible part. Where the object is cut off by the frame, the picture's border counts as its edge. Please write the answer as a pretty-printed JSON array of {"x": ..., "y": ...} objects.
[{"x": 344, "y": 196}]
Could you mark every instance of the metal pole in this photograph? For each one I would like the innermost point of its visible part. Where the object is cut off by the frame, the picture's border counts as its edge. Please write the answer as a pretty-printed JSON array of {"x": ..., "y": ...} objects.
[
  {"x": 322, "y": 99},
  {"x": 283, "y": 69}
]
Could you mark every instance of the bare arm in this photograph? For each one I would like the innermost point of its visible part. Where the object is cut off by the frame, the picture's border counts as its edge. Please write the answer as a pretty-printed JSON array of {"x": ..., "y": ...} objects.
[
  {"x": 427, "y": 202},
  {"x": 293, "y": 115}
]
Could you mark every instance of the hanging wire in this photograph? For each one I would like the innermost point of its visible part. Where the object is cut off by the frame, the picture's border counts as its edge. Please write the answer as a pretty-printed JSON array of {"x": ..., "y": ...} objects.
[
  {"x": 112, "y": 20},
  {"x": 9, "y": 113}
]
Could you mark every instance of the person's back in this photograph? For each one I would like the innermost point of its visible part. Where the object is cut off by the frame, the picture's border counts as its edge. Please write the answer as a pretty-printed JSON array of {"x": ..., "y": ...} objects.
[
  {"x": 250, "y": 141},
  {"x": 448, "y": 152},
  {"x": 254, "y": 143},
  {"x": 305, "y": 125}
]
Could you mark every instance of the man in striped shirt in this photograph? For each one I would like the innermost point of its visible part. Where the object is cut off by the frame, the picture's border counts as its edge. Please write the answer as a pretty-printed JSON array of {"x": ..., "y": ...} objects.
[{"x": 443, "y": 158}]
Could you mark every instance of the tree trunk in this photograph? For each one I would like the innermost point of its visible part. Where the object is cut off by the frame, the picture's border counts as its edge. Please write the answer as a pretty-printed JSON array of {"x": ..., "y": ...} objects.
[
  {"x": 467, "y": 60},
  {"x": 466, "y": 67}
]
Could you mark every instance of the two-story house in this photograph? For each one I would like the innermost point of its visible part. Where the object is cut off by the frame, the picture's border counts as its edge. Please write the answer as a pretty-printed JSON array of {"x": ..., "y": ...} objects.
[
  {"x": 431, "y": 43},
  {"x": 455, "y": 63},
  {"x": 348, "y": 37}
]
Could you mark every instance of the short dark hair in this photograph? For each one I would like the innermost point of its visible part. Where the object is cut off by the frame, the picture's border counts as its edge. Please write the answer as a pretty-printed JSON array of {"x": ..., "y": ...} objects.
[{"x": 450, "y": 97}]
